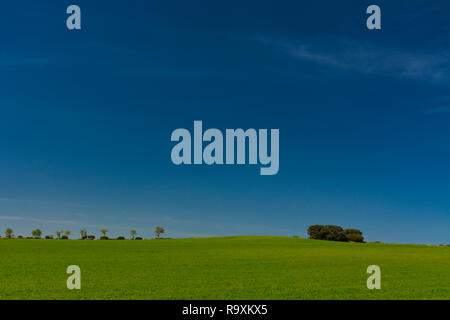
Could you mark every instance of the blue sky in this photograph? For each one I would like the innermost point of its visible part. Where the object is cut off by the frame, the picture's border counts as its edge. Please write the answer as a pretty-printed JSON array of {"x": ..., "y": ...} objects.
[{"x": 86, "y": 117}]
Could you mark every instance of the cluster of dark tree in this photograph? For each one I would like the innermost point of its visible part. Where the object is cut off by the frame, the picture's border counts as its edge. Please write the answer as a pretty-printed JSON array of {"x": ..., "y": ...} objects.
[{"x": 334, "y": 233}]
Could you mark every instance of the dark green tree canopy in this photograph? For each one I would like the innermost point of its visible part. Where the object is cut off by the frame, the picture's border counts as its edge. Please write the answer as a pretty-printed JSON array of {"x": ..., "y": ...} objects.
[{"x": 334, "y": 233}]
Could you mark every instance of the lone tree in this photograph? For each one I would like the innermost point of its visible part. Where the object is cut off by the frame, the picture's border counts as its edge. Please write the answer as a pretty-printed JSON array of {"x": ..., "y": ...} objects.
[
  {"x": 83, "y": 233},
  {"x": 36, "y": 233},
  {"x": 158, "y": 231},
  {"x": 133, "y": 233},
  {"x": 9, "y": 233},
  {"x": 67, "y": 233},
  {"x": 58, "y": 233},
  {"x": 104, "y": 231}
]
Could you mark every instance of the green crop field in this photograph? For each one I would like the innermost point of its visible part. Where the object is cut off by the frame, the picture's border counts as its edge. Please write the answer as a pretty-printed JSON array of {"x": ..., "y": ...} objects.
[{"x": 221, "y": 268}]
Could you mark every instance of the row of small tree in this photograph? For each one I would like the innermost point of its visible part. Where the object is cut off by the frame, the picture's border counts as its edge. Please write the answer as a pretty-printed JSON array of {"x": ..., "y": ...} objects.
[
  {"x": 61, "y": 234},
  {"x": 334, "y": 233}
]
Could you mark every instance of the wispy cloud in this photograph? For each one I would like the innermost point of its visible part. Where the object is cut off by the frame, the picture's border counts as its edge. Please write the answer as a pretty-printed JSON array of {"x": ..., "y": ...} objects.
[
  {"x": 62, "y": 222},
  {"x": 368, "y": 58},
  {"x": 13, "y": 200},
  {"x": 23, "y": 62},
  {"x": 439, "y": 110},
  {"x": 65, "y": 222}
]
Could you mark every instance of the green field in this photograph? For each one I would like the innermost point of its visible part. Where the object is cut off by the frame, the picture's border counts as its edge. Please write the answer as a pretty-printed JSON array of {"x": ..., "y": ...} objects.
[{"x": 221, "y": 268}]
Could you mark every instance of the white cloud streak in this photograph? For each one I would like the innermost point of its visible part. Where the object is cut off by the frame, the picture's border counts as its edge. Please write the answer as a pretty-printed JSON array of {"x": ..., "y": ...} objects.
[{"x": 369, "y": 58}]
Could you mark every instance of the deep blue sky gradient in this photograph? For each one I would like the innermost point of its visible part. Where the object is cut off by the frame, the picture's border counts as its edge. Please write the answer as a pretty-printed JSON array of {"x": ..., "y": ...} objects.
[{"x": 86, "y": 116}]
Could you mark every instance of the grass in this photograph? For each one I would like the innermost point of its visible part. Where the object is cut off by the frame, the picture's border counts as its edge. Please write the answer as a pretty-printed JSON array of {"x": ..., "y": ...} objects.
[{"x": 221, "y": 268}]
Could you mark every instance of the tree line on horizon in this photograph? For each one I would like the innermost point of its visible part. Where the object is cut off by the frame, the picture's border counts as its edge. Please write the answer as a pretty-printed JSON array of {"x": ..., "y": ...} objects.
[
  {"x": 317, "y": 232},
  {"x": 64, "y": 234}
]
